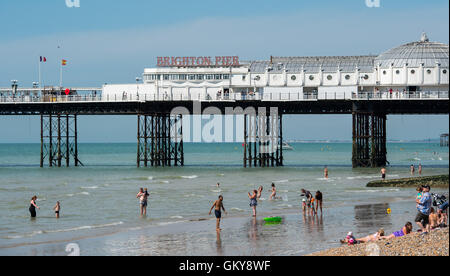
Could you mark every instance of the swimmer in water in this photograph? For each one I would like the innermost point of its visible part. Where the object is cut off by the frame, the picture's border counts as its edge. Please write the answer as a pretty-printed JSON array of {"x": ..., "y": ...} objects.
[
  {"x": 57, "y": 209},
  {"x": 253, "y": 201},
  {"x": 218, "y": 206},
  {"x": 420, "y": 169},
  {"x": 326, "y": 173},
  {"x": 274, "y": 192}
]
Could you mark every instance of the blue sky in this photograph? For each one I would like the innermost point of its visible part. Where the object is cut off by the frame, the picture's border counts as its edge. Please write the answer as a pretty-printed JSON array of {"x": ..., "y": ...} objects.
[{"x": 113, "y": 41}]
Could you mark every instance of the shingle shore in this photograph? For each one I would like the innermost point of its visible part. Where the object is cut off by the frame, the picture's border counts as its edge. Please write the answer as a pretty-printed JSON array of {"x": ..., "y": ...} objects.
[{"x": 435, "y": 243}]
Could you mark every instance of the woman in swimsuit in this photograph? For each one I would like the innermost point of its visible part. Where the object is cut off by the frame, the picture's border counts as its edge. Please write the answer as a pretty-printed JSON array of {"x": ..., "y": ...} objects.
[
  {"x": 33, "y": 206},
  {"x": 405, "y": 231},
  {"x": 319, "y": 200},
  {"x": 142, "y": 201},
  {"x": 375, "y": 237},
  {"x": 253, "y": 201}
]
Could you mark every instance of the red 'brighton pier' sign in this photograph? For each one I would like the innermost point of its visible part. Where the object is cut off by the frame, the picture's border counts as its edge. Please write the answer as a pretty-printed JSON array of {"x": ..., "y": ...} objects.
[{"x": 225, "y": 61}]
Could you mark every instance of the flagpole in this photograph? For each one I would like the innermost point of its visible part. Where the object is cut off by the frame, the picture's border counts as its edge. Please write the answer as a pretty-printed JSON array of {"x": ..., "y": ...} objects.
[
  {"x": 60, "y": 76},
  {"x": 40, "y": 90}
]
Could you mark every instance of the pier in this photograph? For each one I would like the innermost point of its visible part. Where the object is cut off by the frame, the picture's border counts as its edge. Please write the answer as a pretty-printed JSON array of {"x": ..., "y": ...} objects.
[
  {"x": 158, "y": 145},
  {"x": 444, "y": 140}
]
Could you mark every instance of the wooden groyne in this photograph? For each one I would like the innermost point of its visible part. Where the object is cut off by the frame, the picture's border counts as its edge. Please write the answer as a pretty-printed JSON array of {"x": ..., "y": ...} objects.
[{"x": 438, "y": 181}]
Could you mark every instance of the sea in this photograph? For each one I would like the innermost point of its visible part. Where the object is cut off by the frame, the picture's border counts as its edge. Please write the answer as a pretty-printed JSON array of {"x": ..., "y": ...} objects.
[{"x": 100, "y": 211}]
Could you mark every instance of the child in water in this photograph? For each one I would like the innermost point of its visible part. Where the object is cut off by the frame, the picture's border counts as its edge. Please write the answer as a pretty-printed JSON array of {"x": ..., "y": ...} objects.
[
  {"x": 253, "y": 201},
  {"x": 274, "y": 192},
  {"x": 57, "y": 209}
]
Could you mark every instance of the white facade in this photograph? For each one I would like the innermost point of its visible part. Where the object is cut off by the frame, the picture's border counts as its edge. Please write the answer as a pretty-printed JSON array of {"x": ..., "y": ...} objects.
[{"x": 417, "y": 66}]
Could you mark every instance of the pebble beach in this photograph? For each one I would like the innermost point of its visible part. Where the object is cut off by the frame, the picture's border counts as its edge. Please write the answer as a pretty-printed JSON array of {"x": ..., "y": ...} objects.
[{"x": 435, "y": 243}]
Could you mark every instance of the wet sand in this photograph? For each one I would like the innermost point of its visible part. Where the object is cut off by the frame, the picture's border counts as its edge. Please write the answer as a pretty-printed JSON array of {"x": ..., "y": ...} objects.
[{"x": 297, "y": 235}]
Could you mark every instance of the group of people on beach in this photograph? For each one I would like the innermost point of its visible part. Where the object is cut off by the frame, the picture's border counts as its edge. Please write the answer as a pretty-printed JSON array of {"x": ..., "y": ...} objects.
[
  {"x": 412, "y": 171},
  {"x": 34, "y": 206},
  {"x": 427, "y": 218},
  {"x": 255, "y": 195}
]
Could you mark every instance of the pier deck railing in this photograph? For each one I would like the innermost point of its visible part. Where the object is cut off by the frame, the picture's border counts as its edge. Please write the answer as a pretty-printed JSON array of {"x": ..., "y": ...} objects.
[{"x": 286, "y": 97}]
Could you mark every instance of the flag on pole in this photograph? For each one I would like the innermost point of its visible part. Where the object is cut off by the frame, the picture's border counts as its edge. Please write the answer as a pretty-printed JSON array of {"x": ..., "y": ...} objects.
[
  {"x": 64, "y": 62},
  {"x": 43, "y": 59}
]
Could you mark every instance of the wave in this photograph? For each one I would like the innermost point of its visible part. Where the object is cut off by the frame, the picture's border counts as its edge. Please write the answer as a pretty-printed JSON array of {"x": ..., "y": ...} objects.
[
  {"x": 237, "y": 209},
  {"x": 87, "y": 227},
  {"x": 190, "y": 177},
  {"x": 176, "y": 217},
  {"x": 373, "y": 191},
  {"x": 90, "y": 188},
  {"x": 281, "y": 181}
]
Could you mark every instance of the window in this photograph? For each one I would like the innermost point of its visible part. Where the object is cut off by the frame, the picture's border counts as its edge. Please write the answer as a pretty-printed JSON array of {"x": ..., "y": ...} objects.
[
  {"x": 429, "y": 72},
  {"x": 397, "y": 72},
  {"x": 166, "y": 77},
  {"x": 226, "y": 77},
  {"x": 183, "y": 77},
  {"x": 293, "y": 78},
  {"x": 217, "y": 77},
  {"x": 384, "y": 72},
  {"x": 366, "y": 77},
  {"x": 258, "y": 78},
  {"x": 209, "y": 77},
  {"x": 413, "y": 72},
  {"x": 191, "y": 77},
  {"x": 445, "y": 72},
  {"x": 329, "y": 77},
  {"x": 347, "y": 77},
  {"x": 244, "y": 78},
  {"x": 311, "y": 77}
]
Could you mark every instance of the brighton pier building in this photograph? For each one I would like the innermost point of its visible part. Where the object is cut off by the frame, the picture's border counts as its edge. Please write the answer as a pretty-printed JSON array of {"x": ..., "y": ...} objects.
[{"x": 404, "y": 71}]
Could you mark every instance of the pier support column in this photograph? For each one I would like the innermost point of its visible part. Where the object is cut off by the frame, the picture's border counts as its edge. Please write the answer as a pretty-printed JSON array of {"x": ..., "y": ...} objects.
[
  {"x": 263, "y": 139},
  {"x": 59, "y": 140},
  {"x": 160, "y": 140},
  {"x": 369, "y": 139}
]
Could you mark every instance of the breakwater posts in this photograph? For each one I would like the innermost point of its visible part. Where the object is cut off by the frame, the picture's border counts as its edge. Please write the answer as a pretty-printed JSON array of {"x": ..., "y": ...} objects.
[{"x": 438, "y": 181}]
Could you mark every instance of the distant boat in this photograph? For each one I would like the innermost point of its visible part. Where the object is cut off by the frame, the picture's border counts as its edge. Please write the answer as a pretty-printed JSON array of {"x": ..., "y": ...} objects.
[{"x": 286, "y": 146}]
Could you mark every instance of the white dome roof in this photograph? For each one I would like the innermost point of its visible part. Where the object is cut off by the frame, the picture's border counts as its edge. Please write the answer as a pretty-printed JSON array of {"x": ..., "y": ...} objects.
[{"x": 416, "y": 53}]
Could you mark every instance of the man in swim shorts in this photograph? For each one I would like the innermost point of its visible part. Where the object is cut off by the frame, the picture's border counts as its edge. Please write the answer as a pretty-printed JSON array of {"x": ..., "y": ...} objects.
[{"x": 218, "y": 206}]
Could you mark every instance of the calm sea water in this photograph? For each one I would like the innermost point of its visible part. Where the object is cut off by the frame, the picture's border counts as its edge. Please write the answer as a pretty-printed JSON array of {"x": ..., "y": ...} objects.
[{"x": 100, "y": 198}]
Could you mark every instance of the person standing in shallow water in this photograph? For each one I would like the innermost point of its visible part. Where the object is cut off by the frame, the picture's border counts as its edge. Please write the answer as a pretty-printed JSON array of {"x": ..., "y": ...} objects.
[
  {"x": 413, "y": 169},
  {"x": 218, "y": 206},
  {"x": 253, "y": 201},
  {"x": 142, "y": 201},
  {"x": 33, "y": 207},
  {"x": 420, "y": 169},
  {"x": 57, "y": 209},
  {"x": 326, "y": 172},
  {"x": 383, "y": 174}
]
